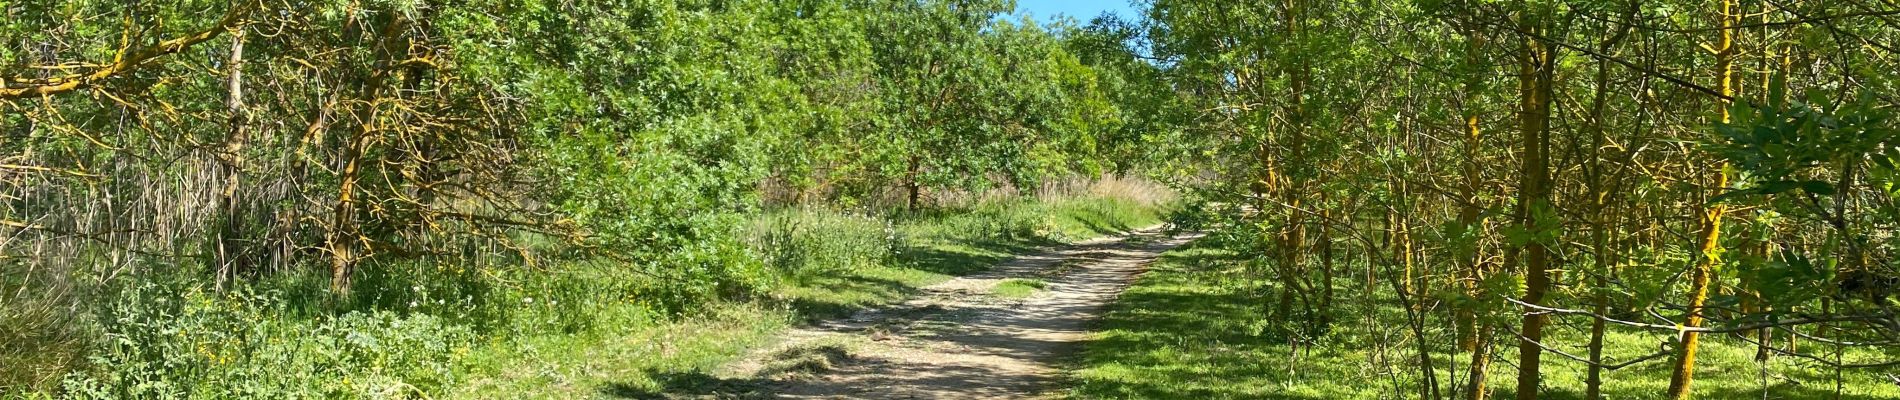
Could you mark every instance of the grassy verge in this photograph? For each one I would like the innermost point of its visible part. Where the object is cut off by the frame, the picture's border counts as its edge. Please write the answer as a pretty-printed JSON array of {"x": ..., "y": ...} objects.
[
  {"x": 825, "y": 264},
  {"x": 1193, "y": 328}
]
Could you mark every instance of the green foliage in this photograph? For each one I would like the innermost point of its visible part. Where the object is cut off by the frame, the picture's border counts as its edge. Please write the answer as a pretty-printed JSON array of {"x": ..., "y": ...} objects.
[
  {"x": 1782, "y": 148},
  {"x": 1545, "y": 229},
  {"x": 159, "y": 341},
  {"x": 1812, "y": 160}
]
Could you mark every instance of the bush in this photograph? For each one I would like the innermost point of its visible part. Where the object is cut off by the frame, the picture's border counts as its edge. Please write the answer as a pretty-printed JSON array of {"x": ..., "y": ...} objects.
[{"x": 164, "y": 343}]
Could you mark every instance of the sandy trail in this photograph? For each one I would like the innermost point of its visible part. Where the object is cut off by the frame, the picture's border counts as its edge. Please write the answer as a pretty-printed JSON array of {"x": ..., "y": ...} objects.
[{"x": 956, "y": 341}]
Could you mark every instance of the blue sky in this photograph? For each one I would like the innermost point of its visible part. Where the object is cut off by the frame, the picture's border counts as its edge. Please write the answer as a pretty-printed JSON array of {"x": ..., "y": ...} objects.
[{"x": 1082, "y": 10}]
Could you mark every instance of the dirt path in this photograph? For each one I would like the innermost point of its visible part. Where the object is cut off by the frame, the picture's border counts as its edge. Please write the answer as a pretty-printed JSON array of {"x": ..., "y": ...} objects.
[{"x": 956, "y": 341}]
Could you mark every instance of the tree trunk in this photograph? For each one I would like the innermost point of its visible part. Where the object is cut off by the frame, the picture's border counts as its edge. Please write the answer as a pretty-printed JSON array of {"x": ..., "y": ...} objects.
[
  {"x": 1600, "y": 220},
  {"x": 1465, "y": 317},
  {"x": 1293, "y": 233},
  {"x": 1326, "y": 271},
  {"x": 1683, "y": 375},
  {"x": 912, "y": 188},
  {"x": 1480, "y": 368},
  {"x": 230, "y": 165},
  {"x": 1537, "y": 62},
  {"x": 344, "y": 231}
]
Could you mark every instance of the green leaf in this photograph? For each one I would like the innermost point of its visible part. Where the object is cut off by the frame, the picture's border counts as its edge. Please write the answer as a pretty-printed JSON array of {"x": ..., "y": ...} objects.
[{"x": 1818, "y": 187}]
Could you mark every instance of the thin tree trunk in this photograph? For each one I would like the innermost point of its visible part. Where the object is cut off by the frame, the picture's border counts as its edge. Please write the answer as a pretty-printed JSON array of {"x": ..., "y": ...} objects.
[
  {"x": 1326, "y": 271},
  {"x": 1537, "y": 62},
  {"x": 1293, "y": 233},
  {"x": 1764, "y": 336},
  {"x": 1480, "y": 368},
  {"x": 1415, "y": 321},
  {"x": 1683, "y": 374},
  {"x": 1465, "y": 317},
  {"x": 1600, "y": 207},
  {"x": 912, "y": 188},
  {"x": 1752, "y": 301},
  {"x": 231, "y": 164}
]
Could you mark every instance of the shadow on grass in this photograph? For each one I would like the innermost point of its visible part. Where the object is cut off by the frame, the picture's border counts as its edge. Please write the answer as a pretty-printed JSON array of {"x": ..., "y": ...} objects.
[
  {"x": 1184, "y": 332},
  {"x": 700, "y": 385},
  {"x": 837, "y": 296},
  {"x": 1815, "y": 391},
  {"x": 1099, "y": 223},
  {"x": 694, "y": 384},
  {"x": 966, "y": 258}
]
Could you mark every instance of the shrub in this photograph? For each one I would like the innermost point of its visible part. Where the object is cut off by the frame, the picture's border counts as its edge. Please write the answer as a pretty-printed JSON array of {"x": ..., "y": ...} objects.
[{"x": 189, "y": 343}]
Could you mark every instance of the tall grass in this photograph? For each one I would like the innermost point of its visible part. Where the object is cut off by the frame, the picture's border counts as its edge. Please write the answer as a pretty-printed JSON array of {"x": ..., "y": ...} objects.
[{"x": 40, "y": 334}]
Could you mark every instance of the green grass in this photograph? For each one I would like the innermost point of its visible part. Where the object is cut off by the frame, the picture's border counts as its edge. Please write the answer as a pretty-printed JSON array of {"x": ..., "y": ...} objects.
[
  {"x": 1193, "y": 327},
  {"x": 606, "y": 364},
  {"x": 1017, "y": 288}
]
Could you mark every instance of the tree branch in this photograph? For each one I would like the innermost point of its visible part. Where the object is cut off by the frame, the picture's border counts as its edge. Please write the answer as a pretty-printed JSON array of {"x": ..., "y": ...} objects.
[{"x": 122, "y": 63}]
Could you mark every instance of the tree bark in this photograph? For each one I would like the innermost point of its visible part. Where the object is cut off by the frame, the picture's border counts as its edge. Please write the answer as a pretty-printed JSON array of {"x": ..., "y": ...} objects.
[
  {"x": 912, "y": 187},
  {"x": 1480, "y": 368},
  {"x": 1682, "y": 376},
  {"x": 1536, "y": 62},
  {"x": 1472, "y": 337},
  {"x": 1293, "y": 233},
  {"x": 231, "y": 167},
  {"x": 345, "y": 232},
  {"x": 1600, "y": 208},
  {"x": 1464, "y": 316}
]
